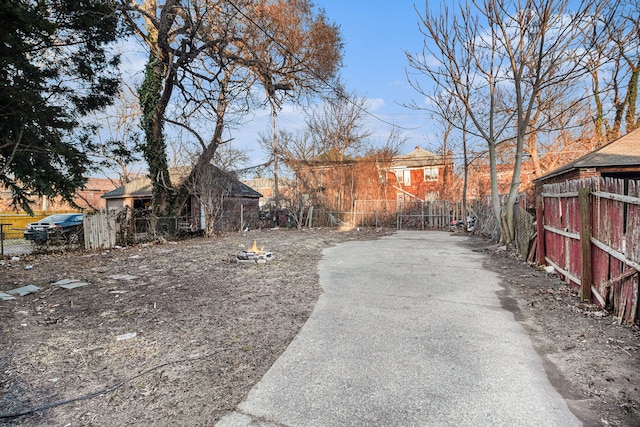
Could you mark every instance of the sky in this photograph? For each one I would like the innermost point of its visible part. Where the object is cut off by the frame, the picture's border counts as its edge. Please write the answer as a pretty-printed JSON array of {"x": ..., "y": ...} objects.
[{"x": 376, "y": 34}]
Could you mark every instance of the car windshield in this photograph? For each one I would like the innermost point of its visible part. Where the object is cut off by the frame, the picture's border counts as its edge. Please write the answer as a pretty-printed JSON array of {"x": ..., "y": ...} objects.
[{"x": 58, "y": 218}]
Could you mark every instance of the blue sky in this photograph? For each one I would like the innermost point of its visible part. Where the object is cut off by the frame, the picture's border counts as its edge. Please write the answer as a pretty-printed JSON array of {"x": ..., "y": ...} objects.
[{"x": 376, "y": 35}]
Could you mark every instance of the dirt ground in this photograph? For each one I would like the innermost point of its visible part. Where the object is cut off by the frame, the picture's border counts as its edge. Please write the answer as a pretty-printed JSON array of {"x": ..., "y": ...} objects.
[{"x": 181, "y": 336}]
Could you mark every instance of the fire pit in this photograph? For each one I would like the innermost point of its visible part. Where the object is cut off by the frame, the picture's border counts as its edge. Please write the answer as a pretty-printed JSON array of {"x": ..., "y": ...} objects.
[{"x": 254, "y": 254}]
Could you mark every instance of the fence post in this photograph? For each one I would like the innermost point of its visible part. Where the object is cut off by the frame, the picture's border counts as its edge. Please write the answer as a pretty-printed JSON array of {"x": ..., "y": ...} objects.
[
  {"x": 2, "y": 224},
  {"x": 540, "y": 227},
  {"x": 585, "y": 239}
]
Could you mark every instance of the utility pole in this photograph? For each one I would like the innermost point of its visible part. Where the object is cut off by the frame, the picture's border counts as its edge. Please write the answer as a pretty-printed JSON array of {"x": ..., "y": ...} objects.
[
  {"x": 276, "y": 193},
  {"x": 271, "y": 93}
]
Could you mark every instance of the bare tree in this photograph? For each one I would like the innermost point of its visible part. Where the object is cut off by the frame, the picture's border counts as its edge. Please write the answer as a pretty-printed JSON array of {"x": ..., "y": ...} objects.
[
  {"x": 377, "y": 162},
  {"x": 204, "y": 59},
  {"x": 333, "y": 158},
  {"x": 451, "y": 116},
  {"x": 495, "y": 57},
  {"x": 614, "y": 64},
  {"x": 117, "y": 150},
  {"x": 338, "y": 128}
]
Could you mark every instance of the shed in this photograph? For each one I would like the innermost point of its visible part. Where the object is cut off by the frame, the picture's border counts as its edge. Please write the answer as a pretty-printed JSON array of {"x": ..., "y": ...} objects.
[
  {"x": 240, "y": 202},
  {"x": 617, "y": 159}
]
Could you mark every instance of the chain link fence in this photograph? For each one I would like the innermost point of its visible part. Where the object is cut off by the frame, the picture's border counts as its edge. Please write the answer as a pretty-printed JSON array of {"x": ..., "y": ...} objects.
[
  {"x": 488, "y": 225},
  {"x": 13, "y": 243},
  {"x": 419, "y": 215},
  {"x": 136, "y": 226}
]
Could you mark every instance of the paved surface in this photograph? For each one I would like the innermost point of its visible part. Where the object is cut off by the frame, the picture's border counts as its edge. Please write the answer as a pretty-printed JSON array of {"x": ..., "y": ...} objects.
[{"x": 409, "y": 332}]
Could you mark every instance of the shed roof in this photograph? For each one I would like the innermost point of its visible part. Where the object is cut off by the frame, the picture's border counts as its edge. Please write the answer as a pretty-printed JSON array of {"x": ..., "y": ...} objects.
[
  {"x": 142, "y": 187},
  {"x": 624, "y": 151}
]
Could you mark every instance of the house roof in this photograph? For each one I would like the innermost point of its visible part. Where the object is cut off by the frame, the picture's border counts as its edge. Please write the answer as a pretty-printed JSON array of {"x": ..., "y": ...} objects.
[
  {"x": 142, "y": 187},
  {"x": 417, "y": 158},
  {"x": 331, "y": 157},
  {"x": 243, "y": 190},
  {"x": 624, "y": 152}
]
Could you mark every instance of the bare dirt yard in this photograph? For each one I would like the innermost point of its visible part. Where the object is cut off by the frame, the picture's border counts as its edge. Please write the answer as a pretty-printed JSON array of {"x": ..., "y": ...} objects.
[{"x": 178, "y": 333}]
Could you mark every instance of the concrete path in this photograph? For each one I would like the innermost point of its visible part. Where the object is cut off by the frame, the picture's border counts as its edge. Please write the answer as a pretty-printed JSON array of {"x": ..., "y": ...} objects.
[{"x": 409, "y": 332}]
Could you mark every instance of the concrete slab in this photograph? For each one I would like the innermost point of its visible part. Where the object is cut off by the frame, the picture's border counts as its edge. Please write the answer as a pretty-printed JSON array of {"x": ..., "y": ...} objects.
[
  {"x": 65, "y": 282},
  {"x": 25, "y": 290},
  {"x": 6, "y": 297},
  {"x": 74, "y": 285},
  {"x": 399, "y": 340}
]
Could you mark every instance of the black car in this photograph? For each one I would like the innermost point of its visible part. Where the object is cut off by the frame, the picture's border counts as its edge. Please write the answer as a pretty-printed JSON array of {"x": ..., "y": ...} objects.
[{"x": 64, "y": 228}]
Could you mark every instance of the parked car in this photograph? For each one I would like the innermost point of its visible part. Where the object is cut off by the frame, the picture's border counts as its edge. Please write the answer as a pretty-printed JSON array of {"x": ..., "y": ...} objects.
[{"x": 64, "y": 228}]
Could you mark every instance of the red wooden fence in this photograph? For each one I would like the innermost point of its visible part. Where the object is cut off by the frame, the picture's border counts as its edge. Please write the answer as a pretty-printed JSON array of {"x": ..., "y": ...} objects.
[{"x": 591, "y": 235}]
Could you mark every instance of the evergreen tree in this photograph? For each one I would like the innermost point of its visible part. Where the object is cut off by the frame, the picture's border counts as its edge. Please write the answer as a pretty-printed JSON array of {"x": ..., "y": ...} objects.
[{"x": 56, "y": 67}]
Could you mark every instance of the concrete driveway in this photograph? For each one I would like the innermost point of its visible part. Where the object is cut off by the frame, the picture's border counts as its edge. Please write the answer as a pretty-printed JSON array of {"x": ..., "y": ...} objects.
[{"x": 409, "y": 332}]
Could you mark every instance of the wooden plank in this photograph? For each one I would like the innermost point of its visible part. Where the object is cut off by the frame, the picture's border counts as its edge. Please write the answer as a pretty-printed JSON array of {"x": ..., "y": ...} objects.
[
  {"x": 633, "y": 309},
  {"x": 585, "y": 239},
  {"x": 573, "y": 257},
  {"x": 618, "y": 255},
  {"x": 533, "y": 249},
  {"x": 617, "y": 197},
  {"x": 623, "y": 276},
  {"x": 575, "y": 236},
  {"x": 619, "y": 216},
  {"x": 600, "y": 274},
  {"x": 599, "y": 298},
  {"x": 564, "y": 272},
  {"x": 632, "y": 234},
  {"x": 560, "y": 195},
  {"x": 540, "y": 229}
]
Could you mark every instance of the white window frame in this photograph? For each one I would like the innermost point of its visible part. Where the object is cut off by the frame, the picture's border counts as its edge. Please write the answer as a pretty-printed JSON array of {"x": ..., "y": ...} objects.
[
  {"x": 398, "y": 173},
  {"x": 406, "y": 177},
  {"x": 431, "y": 173}
]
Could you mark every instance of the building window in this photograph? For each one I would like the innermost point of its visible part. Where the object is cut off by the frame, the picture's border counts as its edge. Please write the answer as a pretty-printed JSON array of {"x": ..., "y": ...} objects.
[
  {"x": 431, "y": 173},
  {"x": 403, "y": 176},
  {"x": 406, "y": 177}
]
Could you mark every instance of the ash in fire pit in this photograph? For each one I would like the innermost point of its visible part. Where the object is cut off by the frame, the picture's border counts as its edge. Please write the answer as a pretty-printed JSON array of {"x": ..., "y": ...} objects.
[{"x": 253, "y": 254}]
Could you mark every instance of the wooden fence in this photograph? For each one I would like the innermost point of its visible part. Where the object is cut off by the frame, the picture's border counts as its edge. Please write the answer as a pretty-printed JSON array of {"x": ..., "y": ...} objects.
[
  {"x": 99, "y": 230},
  {"x": 591, "y": 235}
]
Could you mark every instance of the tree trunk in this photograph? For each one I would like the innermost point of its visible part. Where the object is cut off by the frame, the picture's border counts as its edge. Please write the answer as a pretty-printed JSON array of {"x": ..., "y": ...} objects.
[
  {"x": 495, "y": 196},
  {"x": 632, "y": 99},
  {"x": 200, "y": 178},
  {"x": 465, "y": 180},
  {"x": 599, "y": 121},
  {"x": 154, "y": 150},
  {"x": 532, "y": 144}
]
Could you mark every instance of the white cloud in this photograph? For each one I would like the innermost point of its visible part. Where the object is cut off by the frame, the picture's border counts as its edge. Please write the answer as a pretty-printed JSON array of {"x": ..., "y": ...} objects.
[{"x": 375, "y": 104}]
